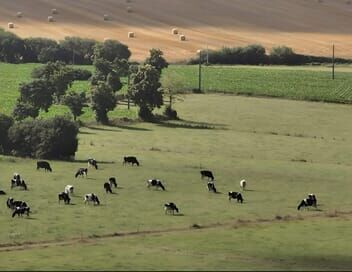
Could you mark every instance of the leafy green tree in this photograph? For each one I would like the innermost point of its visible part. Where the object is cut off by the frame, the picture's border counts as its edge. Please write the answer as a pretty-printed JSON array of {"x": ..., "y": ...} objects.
[
  {"x": 34, "y": 46},
  {"x": 12, "y": 48},
  {"x": 75, "y": 102},
  {"x": 103, "y": 100},
  {"x": 146, "y": 90},
  {"x": 111, "y": 50},
  {"x": 282, "y": 55},
  {"x": 156, "y": 59},
  {"x": 38, "y": 93},
  {"x": 58, "y": 74},
  {"x": 82, "y": 50},
  {"x": 23, "y": 110}
]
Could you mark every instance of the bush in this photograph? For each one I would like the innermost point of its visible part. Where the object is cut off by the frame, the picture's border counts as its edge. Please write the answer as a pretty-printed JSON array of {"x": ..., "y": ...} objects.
[
  {"x": 81, "y": 74},
  {"x": 48, "y": 139},
  {"x": 170, "y": 113}
]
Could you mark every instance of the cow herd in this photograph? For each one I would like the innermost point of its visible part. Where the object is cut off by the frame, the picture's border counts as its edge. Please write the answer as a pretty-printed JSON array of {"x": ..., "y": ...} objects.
[{"x": 20, "y": 207}]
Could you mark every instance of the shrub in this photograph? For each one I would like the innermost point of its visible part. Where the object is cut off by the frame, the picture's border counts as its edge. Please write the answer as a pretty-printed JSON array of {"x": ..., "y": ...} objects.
[
  {"x": 170, "y": 113},
  {"x": 81, "y": 74},
  {"x": 49, "y": 139}
]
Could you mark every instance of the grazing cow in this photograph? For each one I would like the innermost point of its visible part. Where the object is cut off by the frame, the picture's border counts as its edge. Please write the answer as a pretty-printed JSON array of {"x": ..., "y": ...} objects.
[
  {"x": 81, "y": 172},
  {"x": 16, "y": 181},
  {"x": 69, "y": 189},
  {"x": 65, "y": 197},
  {"x": 20, "y": 211},
  {"x": 45, "y": 165},
  {"x": 211, "y": 187},
  {"x": 107, "y": 187},
  {"x": 113, "y": 182},
  {"x": 130, "y": 160},
  {"x": 91, "y": 198},
  {"x": 308, "y": 202},
  {"x": 207, "y": 173},
  {"x": 2, "y": 192},
  {"x": 12, "y": 204},
  {"x": 155, "y": 183},
  {"x": 92, "y": 162},
  {"x": 235, "y": 195},
  {"x": 170, "y": 207},
  {"x": 243, "y": 184}
]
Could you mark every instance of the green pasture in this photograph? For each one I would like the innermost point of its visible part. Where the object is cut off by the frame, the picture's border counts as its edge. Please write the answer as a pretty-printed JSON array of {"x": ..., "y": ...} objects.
[{"x": 284, "y": 149}]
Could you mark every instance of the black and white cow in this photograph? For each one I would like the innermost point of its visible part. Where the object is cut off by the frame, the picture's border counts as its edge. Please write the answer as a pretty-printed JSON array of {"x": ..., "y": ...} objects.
[
  {"x": 16, "y": 181},
  {"x": 235, "y": 195},
  {"x": 310, "y": 201},
  {"x": 69, "y": 189},
  {"x": 130, "y": 160},
  {"x": 92, "y": 162},
  {"x": 91, "y": 198},
  {"x": 45, "y": 165},
  {"x": 211, "y": 187},
  {"x": 155, "y": 183},
  {"x": 20, "y": 211},
  {"x": 170, "y": 207},
  {"x": 65, "y": 197},
  {"x": 12, "y": 204},
  {"x": 81, "y": 172},
  {"x": 112, "y": 181},
  {"x": 207, "y": 173},
  {"x": 107, "y": 187}
]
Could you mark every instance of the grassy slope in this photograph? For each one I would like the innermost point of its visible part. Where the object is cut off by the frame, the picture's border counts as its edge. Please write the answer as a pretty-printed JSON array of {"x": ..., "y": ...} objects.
[{"x": 259, "y": 145}]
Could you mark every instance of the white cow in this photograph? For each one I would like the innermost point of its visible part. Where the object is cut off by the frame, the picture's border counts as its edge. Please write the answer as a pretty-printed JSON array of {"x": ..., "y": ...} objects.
[
  {"x": 69, "y": 189},
  {"x": 243, "y": 184}
]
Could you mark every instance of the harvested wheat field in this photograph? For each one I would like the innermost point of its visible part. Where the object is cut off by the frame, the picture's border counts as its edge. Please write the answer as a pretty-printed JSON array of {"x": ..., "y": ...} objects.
[{"x": 308, "y": 26}]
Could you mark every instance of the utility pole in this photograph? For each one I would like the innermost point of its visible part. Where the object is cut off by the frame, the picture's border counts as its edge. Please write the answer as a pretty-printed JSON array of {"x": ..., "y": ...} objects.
[
  {"x": 200, "y": 71},
  {"x": 333, "y": 61}
]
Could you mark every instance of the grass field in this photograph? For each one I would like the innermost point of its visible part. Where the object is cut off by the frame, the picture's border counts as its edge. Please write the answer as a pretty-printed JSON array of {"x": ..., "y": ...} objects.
[
  {"x": 284, "y": 149},
  {"x": 299, "y": 83}
]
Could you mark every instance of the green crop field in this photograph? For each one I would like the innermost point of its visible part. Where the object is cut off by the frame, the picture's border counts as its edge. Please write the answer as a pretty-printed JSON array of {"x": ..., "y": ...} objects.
[
  {"x": 284, "y": 149},
  {"x": 299, "y": 83}
]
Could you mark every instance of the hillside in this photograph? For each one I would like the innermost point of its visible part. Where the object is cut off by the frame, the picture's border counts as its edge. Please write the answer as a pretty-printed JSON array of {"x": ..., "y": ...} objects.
[{"x": 308, "y": 26}]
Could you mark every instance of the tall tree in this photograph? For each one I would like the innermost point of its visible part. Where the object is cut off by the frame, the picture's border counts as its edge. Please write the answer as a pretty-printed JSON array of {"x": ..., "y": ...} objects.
[
  {"x": 146, "y": 90},
  {"x": 103, "y": 100},
  {"x": 156, "y": 59},
  {"x": 75, "y": 102}
]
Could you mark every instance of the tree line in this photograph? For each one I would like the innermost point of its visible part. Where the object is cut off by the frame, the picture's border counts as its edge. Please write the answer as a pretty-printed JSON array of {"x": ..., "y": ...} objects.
[
  {"x": 256, "y": 54},
  {"x": 71, "y": 50}
]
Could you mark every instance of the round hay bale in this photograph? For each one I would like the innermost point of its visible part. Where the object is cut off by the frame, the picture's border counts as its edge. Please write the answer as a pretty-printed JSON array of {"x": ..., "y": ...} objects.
[
  {"x": 11, "y": 25},
  {"x": 182, "y": 37},
  {"x": 129, "y": 9},
  {"x": 19, "y": 14},
  {"x": 174, "y": 31},
  {"x": 50, "y": 19},
  {"x": 54, "y": 11},
  {"x": 131, "y": 35},
  {"x": 106, "y": 17}
]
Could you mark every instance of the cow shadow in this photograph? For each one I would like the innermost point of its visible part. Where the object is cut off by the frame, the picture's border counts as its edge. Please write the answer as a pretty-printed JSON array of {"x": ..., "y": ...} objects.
[{"x": 179, "y": 214}]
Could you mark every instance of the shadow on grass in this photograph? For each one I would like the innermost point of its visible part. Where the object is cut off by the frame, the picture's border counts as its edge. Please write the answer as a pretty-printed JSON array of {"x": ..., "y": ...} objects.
[
  {"x": 85, "y": 132},
  {"x": 186, "y": 124},
  {"x": 99, "y": 162},
  {"x": 132, "y": 128},
  {"x": 103, "y": 129}
]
